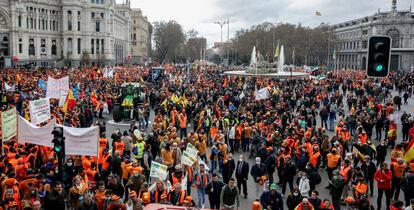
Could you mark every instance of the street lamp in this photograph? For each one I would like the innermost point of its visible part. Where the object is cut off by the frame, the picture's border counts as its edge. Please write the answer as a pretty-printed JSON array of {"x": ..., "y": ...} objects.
[{"x": 221, "y": 24}]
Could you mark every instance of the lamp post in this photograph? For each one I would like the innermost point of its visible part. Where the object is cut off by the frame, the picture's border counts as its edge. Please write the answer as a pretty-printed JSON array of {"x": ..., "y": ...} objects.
[{"x": 221, "y": 24}]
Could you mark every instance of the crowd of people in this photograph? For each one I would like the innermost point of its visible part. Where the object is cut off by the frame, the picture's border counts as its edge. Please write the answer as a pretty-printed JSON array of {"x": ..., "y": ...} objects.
[{"x": 306, "y": 127}]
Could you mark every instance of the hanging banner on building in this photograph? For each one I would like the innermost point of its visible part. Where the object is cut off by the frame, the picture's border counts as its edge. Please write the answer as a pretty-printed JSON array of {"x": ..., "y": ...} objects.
[
  {"x": 39, "y": 111},
  {"x": 158, "y": 170},
  {"x": 81, "y": 141},
  {"x": 9, "y": 124},
  {"x": 32, "y": 134},
  {"x": 55, "y": 85}
]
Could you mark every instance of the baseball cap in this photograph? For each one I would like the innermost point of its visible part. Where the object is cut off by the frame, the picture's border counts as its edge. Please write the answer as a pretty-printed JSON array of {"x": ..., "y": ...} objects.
[{"x": 273, "y": 186}]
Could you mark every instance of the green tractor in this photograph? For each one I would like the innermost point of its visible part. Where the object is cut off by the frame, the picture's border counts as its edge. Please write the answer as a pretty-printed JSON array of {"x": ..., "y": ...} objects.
[{"x": 130, "y": 97}]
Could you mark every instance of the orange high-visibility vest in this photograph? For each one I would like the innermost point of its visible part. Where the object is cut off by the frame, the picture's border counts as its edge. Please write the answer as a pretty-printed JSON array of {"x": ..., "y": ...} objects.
[
  {"x": 120, "y": 146},
  {"x": 314, "y": 159},
  {"x": 398, "y": 170},
  {"x": 332, "y": 160},
  {"x": 182, "y": 197},
  {"x": 344, "y": 173},
  {"x": 363, "y": 137},
  {"x": 360, "y": 189},
  {"x": 105, "y": 164}
]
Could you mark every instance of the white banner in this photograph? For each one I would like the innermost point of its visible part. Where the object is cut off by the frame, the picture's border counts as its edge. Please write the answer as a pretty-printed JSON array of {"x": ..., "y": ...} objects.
[
  {"x": 81, "y": 141},
  {"x": 192, "y": 150},
  {"x": 39, "y": 110},
  {"x": 55, "y": 85},
  {"x": 262, "y": 94},
  {"x": 63, "y": 94},
  {"x": 32, "y": 134},
  {"x": 158, "y": 170},
  {"x": 9, "y": 124},
  {"x": 187, "y": 159}
]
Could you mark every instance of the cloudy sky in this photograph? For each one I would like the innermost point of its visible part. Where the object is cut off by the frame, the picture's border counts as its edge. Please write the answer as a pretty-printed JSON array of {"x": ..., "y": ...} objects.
[{"x": 201, "y": 14}]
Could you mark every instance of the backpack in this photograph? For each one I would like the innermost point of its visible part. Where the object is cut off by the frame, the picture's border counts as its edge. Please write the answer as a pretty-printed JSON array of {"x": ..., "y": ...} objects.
[{"x": 315, "y": 178}]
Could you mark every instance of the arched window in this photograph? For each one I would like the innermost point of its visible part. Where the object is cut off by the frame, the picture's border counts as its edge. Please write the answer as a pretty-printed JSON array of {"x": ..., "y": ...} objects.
[
  {"x": 3, "y": 21},
  {"x": 395, "y": 37}
]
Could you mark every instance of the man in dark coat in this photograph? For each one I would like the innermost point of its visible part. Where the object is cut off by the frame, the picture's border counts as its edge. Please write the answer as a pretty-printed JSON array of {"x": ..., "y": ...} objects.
[
  {"x": 272, "y": 199},
  {"x": 242, "y": 174},
  {"x": 213, "y": 191},
  {"x": 55, "y": 199}
]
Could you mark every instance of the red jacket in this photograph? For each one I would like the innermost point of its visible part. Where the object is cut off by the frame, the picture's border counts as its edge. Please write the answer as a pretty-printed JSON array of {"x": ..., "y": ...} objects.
[{"x": 384, "y": 180}]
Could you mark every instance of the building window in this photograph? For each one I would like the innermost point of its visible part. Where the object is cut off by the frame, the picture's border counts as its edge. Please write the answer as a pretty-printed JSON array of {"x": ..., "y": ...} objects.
[
  {"x": 43, "y": 50},
  {"x": 46, "y": 24},
  {"x": 31, "y": 23},
  {"x": 97, "y": 26},
  {"x": 69, "y": 20},
  {"x": 364, "y": 44},
  {"x": 79, "y": 46},
  {"x": 31, "y": 47},
  {"x": 103, "y": 44},
  {"x": 395, "y": 37},
  {"x": 135, "y": 37},
  {"x": 43, "y": 24},
  {"x": 70, "y": 46},
  {"x": 54, "y": 25},
  {"x": 102, "y": 15},
  {"x": 79, "y": 25},
  {"x": 20, "y": 45},
  {"x": 93, "y": 14},
  {"x": 53, "y": 48},
  {"x": 364, "y": 32},
  {"x": 79, "y": 13},
  {"x": 92, "y": 1},
  {"x": 19, "y": 20},
  {"x": 97, "y": 46},
  {"x": 92, "y": 46}
]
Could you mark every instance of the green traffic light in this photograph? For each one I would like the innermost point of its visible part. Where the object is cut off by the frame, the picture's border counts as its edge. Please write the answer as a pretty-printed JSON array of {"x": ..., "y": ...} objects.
[
  {"x": 58, "y": 149},
  {"x": 379, "y": 67}
]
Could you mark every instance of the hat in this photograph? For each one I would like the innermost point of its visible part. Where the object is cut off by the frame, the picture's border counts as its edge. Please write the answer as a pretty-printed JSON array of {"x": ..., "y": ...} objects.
[
  {"x": 273, "y": 186},
  {"x": 163, "y": 196},
  {"x": 132, "y": 194}
]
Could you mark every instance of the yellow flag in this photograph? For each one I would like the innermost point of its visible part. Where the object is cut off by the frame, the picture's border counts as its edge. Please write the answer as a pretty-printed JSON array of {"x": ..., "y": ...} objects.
[
  {"x": 277, "y": 51},
  {"x": 164, "y": 103}
]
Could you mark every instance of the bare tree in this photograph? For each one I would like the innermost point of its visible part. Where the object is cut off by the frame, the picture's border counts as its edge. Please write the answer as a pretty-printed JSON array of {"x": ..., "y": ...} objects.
[{"x": 168, "y": 38}]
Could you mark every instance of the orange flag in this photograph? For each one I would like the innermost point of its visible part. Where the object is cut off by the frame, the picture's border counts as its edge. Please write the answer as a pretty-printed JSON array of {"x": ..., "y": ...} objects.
[{"x": 70, "y": 102}]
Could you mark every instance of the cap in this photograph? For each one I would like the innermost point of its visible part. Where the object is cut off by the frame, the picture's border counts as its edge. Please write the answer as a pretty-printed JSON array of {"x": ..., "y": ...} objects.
[{"x": 273, "y": 186}]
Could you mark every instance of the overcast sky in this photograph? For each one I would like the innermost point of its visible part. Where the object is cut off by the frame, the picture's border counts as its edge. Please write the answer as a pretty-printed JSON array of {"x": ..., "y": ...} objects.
[{"x": 201, "y": 14}]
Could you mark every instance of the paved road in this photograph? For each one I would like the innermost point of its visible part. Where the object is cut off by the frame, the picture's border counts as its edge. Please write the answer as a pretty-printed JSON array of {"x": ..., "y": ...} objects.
[{"x": 324, "y": 193}]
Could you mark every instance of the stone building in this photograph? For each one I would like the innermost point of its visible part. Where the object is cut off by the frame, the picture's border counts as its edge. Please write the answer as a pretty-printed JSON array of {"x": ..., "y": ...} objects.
[
  {"x": 64, "y": 32},
  {"x": 141, "y": 31},
  {"x": 351, "y": 39}
]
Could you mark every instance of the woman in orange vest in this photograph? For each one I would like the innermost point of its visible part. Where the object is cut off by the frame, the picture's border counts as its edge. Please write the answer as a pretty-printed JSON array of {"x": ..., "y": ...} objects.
[
  {"x": 315, "y": 158},
  {"x": 361, "y": 187},
  {"x": 159, "y": 190}
]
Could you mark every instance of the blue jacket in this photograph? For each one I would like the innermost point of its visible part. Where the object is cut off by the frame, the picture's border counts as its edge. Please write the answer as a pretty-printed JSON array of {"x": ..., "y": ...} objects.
[{"x": 277, "y": 203}]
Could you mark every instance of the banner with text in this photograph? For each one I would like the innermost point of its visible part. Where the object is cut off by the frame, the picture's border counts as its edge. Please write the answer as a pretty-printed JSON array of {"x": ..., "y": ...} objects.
[
  {"x": 81, "y": 141},
  {"x": 62, "y": 97},
  {"x": 39, "y": 110},
  {"x": 55, "y": 85},
  {"x": 33, "y": 134},
  {"x": 9, "y": 124},
  {"x": 158, "y": 170}
]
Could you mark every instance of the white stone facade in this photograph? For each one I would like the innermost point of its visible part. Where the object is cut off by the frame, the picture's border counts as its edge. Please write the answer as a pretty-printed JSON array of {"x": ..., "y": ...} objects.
[
  {"x": 141, "y": 31},
  {"x": 65, "y": 32},
  {"x": 352, "y": 39}
]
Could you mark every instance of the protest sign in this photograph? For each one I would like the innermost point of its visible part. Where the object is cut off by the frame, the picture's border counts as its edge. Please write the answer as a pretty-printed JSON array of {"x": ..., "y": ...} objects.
[
  {"x": 9, "y": 124},
  {"x": 32, "y": 134},
  {"x": 55, "y": 85},
  {"x": 39, "y": 110},
  {"x": 81, "y": 141},
  {"x": 158, "y": 170}
]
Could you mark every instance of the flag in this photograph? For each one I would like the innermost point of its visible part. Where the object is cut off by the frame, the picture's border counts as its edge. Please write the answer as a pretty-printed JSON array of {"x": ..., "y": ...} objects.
[
  {"x": 164, "y": 103},
  {"x": 317, "y": 13},
  {"x": 18, "y": 78},
  {"x": 409, "y": 152},
  {"x": 277, "y": 50},
  {"x": 94, "y": 99},
  {"x": 334, "y": 55},
  {"x": 293, "y": 56},
  {"x": 262, "y": 94},
  {"x": 42, "y": 84},
  {"x": 70, "y": 102},
  {"x": 9, "y": 88}
]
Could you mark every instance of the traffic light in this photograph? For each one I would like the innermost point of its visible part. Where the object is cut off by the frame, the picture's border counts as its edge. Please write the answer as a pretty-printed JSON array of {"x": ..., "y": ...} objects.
[
  {"x": 379, "y": 54},
  {"x": 58, "y": 141}
]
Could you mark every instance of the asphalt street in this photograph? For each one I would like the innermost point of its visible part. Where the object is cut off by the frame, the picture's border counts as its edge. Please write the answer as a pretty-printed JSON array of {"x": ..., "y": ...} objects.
[{"x": 323, "y": 193}]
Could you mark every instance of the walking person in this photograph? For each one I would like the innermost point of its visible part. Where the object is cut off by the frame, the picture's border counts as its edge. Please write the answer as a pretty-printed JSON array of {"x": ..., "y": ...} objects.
[
  {"x": 214, "y": 191},
  {"x": 201, "y": 181},
  {"x": 383, "y": 176},
  {"x": 272, "y": 199},
  {"x": 258, "y": 171},
  {"x": 230, "y": 196},
  {"x": 242, "y": 174}
]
